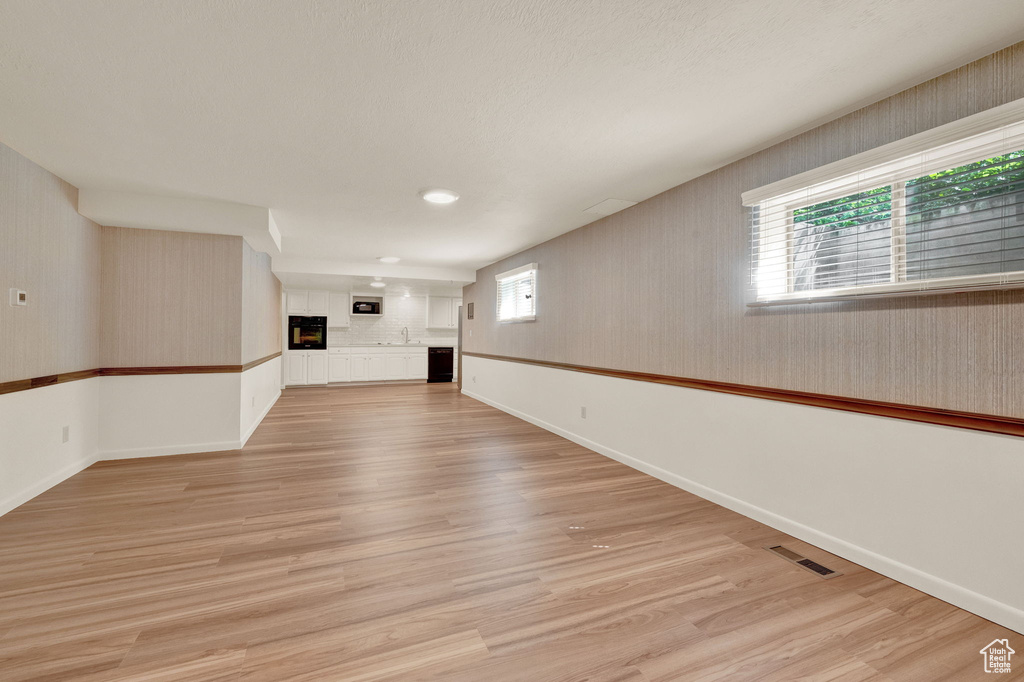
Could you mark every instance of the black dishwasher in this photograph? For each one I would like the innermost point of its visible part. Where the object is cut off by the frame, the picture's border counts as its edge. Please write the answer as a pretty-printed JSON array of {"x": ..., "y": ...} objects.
[{"x": 440, "y": 362}]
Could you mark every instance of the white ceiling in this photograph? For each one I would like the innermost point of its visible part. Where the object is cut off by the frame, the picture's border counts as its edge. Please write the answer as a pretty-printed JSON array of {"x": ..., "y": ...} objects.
[{"x": 336, "y": 114}]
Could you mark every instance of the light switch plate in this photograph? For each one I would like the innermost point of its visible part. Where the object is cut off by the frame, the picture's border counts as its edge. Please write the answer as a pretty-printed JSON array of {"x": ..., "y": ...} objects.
[{"x": 19, "y": 297}]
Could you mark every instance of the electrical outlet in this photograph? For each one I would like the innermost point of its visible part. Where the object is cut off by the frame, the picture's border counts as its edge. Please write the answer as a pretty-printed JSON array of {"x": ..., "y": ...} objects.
[
  {"x": 474, "y": 380},
  {"x": 65, "y": 435},
  {"x": 583, "y": 412},
  {"x": 19, "y": 297}
]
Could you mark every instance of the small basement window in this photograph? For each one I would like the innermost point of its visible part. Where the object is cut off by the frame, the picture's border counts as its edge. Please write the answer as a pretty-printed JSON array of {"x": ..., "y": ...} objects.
[
  {"x": 517, "y": 294},
  {"x": 946, "y": 217}
]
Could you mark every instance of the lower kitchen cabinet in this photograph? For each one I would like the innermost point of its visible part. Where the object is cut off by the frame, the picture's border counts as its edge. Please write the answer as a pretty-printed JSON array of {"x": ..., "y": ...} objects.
[
  {"x": 367, "y": 363},
  {"x": 317, "y": 367},
  {"x": 295, "y": 368},
  {"x": 305, "y": 367},
  {"x": 376, "y": 368},
  {"x": 397, "y": 367},
  {"x": 417, "y": 366},
  {"x": 359, "y": 369},
  {"x": 338, "y": 367}
]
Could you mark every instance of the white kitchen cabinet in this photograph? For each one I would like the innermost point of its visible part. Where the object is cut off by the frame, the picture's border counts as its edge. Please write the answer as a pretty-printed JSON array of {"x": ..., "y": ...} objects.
[
  {"x": 316, "y": 367},
  {"x": 295, "y": 368},
  {"x": 307, "y": 303},
  {"x": 397, "y": 367},
  {"x": 438, "y": 312},
  {"x": 406, "y": 363},
  {"x": 367, "y": 364},
  {"x": 443, "y": 312},
  {"x": 305, "y": 367},
  {"x": 338, "y": 310},
  {"x": 375, "y": 371},
  {"x": 417, "y": 366},
  {"x": 359, "y": 367},
  {"x": 317, "y": 303},
  {"x": 338, "y": 367},
  {"x": 298, "y": 302},
  {"x": 358, "y": 364}
]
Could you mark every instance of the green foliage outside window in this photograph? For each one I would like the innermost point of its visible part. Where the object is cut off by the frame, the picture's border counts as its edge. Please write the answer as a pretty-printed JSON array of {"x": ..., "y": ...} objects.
[
  {"x": 948, "y": 189},
  {"x": 997, "y": 176},
  {"x": 856, "y": 209}
]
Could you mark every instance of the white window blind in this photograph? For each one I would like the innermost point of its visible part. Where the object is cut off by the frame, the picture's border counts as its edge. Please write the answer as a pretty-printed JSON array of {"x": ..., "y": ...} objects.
[
  {"x": 944, "y": 217},
  {"x": 517, "y": 294}
]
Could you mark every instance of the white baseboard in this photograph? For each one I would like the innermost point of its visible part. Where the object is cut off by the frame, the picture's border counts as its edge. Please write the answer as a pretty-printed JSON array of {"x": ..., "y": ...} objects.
[
  {"x": 39, "y": 487},
  {"x": 259, "y": 420},
  {"x": 167, "y": 450},
  {"x": 957, "y": 595}
]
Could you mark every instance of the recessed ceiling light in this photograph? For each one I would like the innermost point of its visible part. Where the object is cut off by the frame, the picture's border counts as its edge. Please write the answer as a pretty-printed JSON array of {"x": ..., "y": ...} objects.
[
  {"x": 439, "y": 196},
  {"x": 389, "y": 259},
  {"x": 377, "y": 284}
]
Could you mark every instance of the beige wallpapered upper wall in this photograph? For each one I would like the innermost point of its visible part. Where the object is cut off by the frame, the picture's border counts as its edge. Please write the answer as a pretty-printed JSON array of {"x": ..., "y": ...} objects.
[
  {"x": 662, "y": 287},
  {"x": 170, "y": 299},
  {"x": 261, "y": 306},
  {"x": 50, "y": 251}
]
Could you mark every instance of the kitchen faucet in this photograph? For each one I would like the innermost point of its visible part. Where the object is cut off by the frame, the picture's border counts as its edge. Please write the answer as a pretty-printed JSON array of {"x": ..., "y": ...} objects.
[{"x": 405, "y": 335}]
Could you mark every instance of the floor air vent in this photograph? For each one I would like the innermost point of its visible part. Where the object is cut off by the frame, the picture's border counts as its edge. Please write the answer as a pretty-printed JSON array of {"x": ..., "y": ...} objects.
[{"x": 802, "y": 562}]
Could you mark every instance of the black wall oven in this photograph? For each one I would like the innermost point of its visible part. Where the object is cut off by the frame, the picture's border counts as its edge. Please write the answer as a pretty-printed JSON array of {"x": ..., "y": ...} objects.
[{"x": 307, "y": 333}]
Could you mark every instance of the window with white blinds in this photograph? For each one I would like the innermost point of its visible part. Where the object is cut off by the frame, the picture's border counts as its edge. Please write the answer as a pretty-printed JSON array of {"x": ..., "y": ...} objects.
[
  {"x": 949, "y": 217},
  {"x": 517, "y": 294}
]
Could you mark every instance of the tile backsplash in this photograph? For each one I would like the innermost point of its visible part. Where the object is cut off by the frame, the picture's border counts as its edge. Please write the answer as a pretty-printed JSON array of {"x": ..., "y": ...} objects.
[{"x": 398, "y": 312}]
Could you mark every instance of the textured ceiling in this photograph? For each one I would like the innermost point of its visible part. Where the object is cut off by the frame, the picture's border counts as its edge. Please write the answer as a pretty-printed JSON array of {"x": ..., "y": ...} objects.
[{"x": 336, "y": 114}]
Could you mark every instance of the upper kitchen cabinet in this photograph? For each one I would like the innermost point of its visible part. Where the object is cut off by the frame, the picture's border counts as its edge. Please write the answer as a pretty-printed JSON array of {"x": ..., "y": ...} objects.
[
  {"x": 338, "y": 310},
  {"x": 307, "y": 303},
  {"x": 318, "y": 303},
  {"x": 298, "y": 301},
  {"x": 443, "y": 312}
]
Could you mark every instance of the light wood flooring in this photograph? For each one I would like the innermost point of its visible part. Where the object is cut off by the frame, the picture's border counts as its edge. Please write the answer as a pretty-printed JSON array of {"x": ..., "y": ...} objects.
[{"x": 411, "y": 533}]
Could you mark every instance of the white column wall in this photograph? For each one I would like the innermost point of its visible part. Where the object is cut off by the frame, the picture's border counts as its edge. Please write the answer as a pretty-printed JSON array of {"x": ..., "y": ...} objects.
[{"x": 33, "y": 457}]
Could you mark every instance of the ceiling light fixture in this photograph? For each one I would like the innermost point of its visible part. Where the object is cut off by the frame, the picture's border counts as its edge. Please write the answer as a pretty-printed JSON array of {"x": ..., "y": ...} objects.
[
  {"x": 378, "y": 284},
  {"x": 439, "y": 196},
  {"x": 389, "y": 259}
]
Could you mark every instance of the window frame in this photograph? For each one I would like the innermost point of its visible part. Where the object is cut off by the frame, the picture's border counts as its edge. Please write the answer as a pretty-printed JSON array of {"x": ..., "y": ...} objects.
[
  {"x": 962, "y": 142},
  {"x": 528, "y": 271}
]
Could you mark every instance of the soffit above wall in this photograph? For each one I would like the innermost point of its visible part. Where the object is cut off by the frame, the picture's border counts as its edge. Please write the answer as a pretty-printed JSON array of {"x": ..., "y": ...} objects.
[{"x": 152, "y": 212}]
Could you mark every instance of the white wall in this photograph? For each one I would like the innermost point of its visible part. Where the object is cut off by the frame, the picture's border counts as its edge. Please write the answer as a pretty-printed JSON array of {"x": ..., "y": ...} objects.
[
  {"x": 122, "y": 417},
  {"x": 934, "y": 507},
  {"x": 260, "y": 389},
  {"x": 143, "y": 416},
  {"x": 32, "y": 456}
]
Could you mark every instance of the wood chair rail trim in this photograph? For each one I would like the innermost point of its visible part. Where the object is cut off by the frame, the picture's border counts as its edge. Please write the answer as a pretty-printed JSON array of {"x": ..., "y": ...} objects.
[
  {"x": 51, "y": 379},
  {"x": 1010, "y": 426}
]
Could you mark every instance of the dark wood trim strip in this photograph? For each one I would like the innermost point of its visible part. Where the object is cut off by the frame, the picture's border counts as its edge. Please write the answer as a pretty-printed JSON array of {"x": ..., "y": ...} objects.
[
  {"x": 51, "y": 379},
  {"x": 1010, "y": 426},
  {"x": 256, "y": 363},
  {"x": 181, "y": 369},
  {"x": 48, "y": 380}
]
